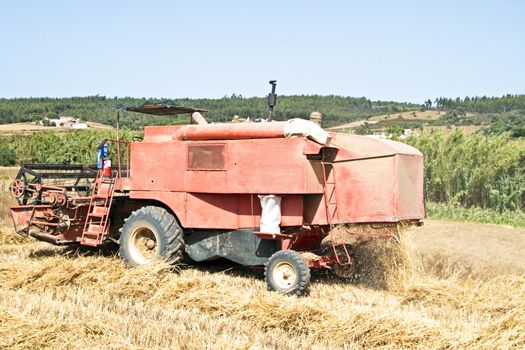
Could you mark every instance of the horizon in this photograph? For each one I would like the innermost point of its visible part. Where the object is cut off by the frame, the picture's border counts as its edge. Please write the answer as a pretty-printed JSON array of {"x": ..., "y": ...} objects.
[
  {"x": 403, "y": 52},
  {"x": 248, "y": 97}
]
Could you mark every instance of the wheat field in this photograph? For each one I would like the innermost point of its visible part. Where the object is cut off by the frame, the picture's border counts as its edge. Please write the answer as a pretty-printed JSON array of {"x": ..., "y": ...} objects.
[{"x": 61, "y": 298}]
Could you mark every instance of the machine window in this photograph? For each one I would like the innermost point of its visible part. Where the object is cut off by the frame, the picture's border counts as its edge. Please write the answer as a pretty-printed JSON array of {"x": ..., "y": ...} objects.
[{"x": 206, "y": 157}]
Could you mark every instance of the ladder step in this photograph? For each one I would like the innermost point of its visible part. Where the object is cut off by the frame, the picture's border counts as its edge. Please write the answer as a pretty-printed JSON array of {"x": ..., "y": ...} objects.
[
  {"x": 101, "y": 196},
  {"x": 90, "y": 242},
  {"x": 96, "y": 215},
  {"x": 97, "y": 209},
  {"x": 91, "y": 234},
  {"x": 95, "y": 228}
]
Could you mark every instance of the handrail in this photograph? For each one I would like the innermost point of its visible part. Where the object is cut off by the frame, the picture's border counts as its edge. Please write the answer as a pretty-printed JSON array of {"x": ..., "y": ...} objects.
[{"x": 119, "y": 158}]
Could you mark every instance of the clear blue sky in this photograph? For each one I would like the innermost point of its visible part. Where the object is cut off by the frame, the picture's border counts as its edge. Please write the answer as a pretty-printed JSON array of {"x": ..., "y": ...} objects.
[{"x": 388, "y": 50}]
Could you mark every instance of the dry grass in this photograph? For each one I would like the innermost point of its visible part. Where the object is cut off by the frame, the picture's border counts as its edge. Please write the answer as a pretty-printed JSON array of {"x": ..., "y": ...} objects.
[
  {"x": 60, "y": 298},
  {"x": 409, "y": 115},
  {"x": 8, "y": 172}
]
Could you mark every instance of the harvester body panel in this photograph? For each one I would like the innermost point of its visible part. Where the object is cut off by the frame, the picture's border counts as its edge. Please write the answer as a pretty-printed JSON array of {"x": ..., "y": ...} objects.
[
  {"x": 210, "y": 178},
  {"x": 215, "y": 183}
]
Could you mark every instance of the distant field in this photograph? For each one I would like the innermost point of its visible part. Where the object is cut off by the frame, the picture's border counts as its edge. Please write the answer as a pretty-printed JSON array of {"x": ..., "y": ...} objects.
[
  {"x": 411, "y": 115},
  {"x": 407, "y": 120},
  {"x": 392, "y": 119},
  {"x": 31, "y": 127}
]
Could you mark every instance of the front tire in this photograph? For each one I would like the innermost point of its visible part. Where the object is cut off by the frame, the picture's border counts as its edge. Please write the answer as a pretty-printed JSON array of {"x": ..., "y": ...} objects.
[
  {"x": 151, "y": 233},
  {"x": 286, "y": 271}
]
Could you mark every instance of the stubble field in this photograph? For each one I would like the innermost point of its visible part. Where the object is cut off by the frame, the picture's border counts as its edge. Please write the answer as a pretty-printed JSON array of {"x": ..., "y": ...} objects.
[{"x": 458, "y": 286}]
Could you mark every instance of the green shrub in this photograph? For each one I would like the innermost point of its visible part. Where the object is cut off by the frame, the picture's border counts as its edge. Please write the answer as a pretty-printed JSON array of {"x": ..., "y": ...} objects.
[
  {"x": 7, "y": 156},
  {"x": 46, "y": 122},
  {"x": 487, "y": 216},
  {"x": 473, "y": 171},
  {"x": 72, "y": 147}
]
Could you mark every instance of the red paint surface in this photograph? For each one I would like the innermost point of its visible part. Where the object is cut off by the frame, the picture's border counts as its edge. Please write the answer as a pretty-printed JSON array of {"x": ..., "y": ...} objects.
[
  {"x": 213, "y": 180},
  {"x": 376, "y": 180}
]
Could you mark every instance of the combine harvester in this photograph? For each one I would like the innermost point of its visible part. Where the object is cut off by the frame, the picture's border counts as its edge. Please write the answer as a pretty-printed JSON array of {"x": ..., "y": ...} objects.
[{"x": 259, "y": 194}]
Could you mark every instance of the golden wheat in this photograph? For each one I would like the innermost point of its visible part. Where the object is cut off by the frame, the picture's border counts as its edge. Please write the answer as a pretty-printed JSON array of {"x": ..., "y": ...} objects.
[{"x": 62, "y": 298}]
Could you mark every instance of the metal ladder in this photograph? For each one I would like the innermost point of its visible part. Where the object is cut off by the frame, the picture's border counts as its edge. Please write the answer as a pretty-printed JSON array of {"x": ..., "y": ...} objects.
[
  {"x": 331, "y": 204},
  {"x": 96, "y": 224}
]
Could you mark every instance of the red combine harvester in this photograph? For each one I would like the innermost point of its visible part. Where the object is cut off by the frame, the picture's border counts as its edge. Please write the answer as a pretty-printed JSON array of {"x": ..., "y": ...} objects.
[{"x": 258, "y": 194}]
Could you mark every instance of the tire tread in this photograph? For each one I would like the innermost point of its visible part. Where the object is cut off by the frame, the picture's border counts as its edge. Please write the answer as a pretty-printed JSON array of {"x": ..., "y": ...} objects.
[{"x": 171, "y": 233}]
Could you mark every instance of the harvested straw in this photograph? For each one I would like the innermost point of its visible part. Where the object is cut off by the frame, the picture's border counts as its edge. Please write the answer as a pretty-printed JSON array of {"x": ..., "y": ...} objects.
[{"x": 52, "y": 298}]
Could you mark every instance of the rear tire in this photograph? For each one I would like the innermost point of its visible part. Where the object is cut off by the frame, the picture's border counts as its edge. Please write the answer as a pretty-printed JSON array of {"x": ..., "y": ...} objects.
[
  {"x": 286, "y": 271},
  {"x": 151, "y": 233}
]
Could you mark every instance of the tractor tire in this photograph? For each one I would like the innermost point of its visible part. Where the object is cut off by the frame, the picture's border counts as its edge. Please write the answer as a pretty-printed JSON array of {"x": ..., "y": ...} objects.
[
  {"x": 286, "y": 271},
  {"x": 151, "y": 233}
]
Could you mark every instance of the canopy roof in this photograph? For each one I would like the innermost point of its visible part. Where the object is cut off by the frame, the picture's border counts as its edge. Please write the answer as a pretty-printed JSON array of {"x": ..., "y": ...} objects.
[{"x": 163, "y": 109}]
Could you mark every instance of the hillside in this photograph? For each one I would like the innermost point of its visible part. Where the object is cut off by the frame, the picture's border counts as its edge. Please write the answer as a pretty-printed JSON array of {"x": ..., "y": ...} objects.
[
  {"x": 493, "y": 114},
  {"x": 336, "y": 109},
  {"x": 385, "y": 120}
]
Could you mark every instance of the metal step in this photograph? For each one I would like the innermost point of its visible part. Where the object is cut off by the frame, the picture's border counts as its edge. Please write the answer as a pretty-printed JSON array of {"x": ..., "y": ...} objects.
[
  {"x": 91, "y": 233},
  {"x": 95, "y": 227},
  {"x": 100, "y": 210},
  {"x": 101, "y": 196},
  {"x": 89, "y": 241}
]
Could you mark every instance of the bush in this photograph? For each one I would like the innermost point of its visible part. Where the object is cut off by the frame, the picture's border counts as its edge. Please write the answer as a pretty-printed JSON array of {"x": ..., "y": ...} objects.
[
  {"x": 79, "y": 146},
  {"x": 7, "y": 156},
  {"x": 46, "y": 122},
  {"x": 473, "y": 171}
]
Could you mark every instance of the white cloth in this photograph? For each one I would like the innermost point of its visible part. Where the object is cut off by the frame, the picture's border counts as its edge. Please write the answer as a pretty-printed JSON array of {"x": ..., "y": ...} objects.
[
  {"x": 271, "y": 214},
  {"x": 302, "y": 127}
]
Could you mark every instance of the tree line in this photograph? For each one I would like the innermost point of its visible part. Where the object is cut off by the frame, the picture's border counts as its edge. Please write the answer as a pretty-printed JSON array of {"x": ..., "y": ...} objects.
[
  {"x": 496, "y": 115},
  {"x": 481, "y": 104},
  {"x": 335, "y": 109}
]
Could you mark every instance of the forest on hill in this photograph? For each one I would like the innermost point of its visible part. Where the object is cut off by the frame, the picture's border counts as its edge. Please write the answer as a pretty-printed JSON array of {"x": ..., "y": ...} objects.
[
  {"x": 504, "y": 114},
  {"x": 335, "y": 109},
  {"x": 496, "y": 114}
]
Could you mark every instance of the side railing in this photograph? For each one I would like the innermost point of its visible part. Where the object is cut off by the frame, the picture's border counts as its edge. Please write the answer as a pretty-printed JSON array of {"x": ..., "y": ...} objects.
[{"x": 123, "y": 159}]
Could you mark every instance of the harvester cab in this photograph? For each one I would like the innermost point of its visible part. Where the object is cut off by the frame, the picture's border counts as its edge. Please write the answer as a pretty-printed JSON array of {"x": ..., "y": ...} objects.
[{"x": 285, "y": 195}]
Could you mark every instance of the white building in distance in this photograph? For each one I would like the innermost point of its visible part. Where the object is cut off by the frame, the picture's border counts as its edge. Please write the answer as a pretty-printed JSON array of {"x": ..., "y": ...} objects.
[{"x": 68, "y": 122}]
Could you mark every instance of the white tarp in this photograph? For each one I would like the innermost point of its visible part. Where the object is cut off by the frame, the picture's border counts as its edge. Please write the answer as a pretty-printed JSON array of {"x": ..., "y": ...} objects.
[
  {"x": 271, "y": 214},
  {"x": 302, "y": 127}
]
